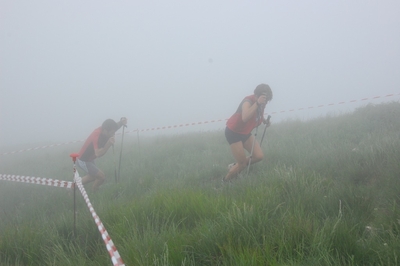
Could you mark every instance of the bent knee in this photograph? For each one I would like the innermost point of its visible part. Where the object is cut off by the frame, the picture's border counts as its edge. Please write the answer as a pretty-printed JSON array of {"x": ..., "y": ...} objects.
[
  {"x": 258, "y": 158},
  {"x": 100, "y": 176}
]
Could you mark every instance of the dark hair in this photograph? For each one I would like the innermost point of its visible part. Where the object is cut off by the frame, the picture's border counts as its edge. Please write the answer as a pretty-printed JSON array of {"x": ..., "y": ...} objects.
[
  {"x": 109, "y": 124},
  {"x": 263, "y": 89}
]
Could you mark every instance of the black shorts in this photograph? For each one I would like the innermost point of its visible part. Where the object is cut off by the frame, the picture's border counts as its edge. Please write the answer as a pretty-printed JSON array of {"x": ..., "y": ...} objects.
[{"x": 233, "y": 137}]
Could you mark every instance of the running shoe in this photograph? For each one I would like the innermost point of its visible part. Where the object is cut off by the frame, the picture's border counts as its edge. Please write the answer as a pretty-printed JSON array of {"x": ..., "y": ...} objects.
[{"x": 231, "y": 165}]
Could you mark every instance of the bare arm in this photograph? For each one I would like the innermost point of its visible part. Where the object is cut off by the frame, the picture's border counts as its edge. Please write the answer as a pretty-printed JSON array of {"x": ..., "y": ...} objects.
[
  {"x": 122, "y": 122},
  {"x": 100, "y": 152},
  {"x": 248, "y": 109}
]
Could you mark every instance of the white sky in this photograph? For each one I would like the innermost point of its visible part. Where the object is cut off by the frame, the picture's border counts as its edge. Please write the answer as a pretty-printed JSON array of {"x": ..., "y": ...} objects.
[{"x": 66, "y": 66}]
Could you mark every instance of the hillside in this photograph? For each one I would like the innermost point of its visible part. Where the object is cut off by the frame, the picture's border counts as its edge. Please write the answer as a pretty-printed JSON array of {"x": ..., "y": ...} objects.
[{"x": 327, "y": 193}]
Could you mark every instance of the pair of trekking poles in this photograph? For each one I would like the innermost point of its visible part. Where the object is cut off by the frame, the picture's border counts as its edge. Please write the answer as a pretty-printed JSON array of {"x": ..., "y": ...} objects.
[
  {"x": 254, "y": 140},
  {"x": 117, "y": 173}
]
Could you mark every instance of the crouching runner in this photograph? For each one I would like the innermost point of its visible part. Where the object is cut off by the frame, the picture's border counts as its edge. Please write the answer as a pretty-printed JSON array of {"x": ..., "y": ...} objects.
[
  {"x": 96, "y": 145},
  {"x": 248, "y": 115}
]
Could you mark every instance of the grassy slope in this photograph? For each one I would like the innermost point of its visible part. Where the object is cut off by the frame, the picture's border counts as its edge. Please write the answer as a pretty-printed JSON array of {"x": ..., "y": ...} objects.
[{"x": 327, "y": 194}]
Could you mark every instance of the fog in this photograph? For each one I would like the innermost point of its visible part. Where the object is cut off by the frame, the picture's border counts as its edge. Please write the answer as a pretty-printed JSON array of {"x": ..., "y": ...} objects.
[{"x": 66, "y": 66}]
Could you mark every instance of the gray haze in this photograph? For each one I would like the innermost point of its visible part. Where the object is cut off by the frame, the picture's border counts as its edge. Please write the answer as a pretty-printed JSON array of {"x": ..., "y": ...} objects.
[{"x": 65, "y": 66}]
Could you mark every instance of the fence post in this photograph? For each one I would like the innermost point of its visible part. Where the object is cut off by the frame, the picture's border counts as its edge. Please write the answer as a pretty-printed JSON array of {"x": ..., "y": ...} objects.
[
  {"x": 74, "y": 156},
  {"x": 138, "y": 141}
]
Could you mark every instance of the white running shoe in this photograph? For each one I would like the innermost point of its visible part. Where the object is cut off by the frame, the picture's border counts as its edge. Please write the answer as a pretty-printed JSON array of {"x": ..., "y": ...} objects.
[{"x": 231, "y": 165}]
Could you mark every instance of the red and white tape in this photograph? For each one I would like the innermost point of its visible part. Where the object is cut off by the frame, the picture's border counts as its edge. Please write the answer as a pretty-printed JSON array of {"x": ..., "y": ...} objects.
[
  {"x": 206, "y": 122},
  {"x": 332, "y": 104},
  {"x": 275, "y": 112},
  {"x": 37, "y": 180},
  {"x": 42, "y": 147},
  {"x": 182, "y": 125},
  {"x": 112, "y": 250}
]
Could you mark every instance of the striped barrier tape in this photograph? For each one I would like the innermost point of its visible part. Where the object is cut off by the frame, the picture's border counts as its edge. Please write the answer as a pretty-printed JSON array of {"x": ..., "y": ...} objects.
[
  {"x": 275, "y": 112},
  {"x": 181, "y": 125},
  {"x": 37, "y": 180},
  {"x": 332, "y": 104},
  {"x": 112, "y": 250},
  {"x": 205, "y": 122},
  {"x": 41, "y": 147},
  {"x": 52, "y": 145}
]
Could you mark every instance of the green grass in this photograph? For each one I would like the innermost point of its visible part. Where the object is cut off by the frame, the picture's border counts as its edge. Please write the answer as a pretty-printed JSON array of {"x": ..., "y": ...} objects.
[{"x": 327, "y": 193}]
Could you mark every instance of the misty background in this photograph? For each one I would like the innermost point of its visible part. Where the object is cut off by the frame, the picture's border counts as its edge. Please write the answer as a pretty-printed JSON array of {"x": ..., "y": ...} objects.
[{"x": 66, "y": 66}]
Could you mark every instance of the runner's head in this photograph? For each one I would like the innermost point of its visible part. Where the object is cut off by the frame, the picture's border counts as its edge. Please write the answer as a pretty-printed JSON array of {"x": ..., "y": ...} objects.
[
  {"x": 263, "y": 89},
  {"x": 109, "y": 127}
]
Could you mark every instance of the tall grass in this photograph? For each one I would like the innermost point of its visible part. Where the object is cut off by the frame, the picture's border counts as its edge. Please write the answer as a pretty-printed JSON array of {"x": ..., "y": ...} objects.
[{"x": 328, "y": 193}]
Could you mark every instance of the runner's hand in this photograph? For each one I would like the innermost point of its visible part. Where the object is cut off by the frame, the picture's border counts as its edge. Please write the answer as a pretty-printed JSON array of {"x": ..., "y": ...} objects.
[
  {"x": 124, "y": 120},
  {"x": 111, "y": 140},
  {"x": 262, "y": 99},
  {"x": 267, "y": 123}
]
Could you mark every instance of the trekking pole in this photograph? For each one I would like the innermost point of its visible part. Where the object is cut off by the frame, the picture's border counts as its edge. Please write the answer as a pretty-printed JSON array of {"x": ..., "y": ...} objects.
[
  {"x": 251, "y": 153},
  {"x": 265, "y": 129},
  {"x": 115, "y": 165},
  {"x": 120, "y": 154},
  {"x": 254, "y": 141}
]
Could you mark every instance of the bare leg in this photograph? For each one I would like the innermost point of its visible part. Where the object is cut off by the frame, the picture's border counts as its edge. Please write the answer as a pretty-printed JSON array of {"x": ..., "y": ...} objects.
[
  {"x": 87, "y": 179},
  {"x": 257, "y": 151},
  {"x": 98, "y": 180},
  {"x": 239, "y": 154},
  {"x": 100, "y": 177},
  {"x": 238, "y": 151}
]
